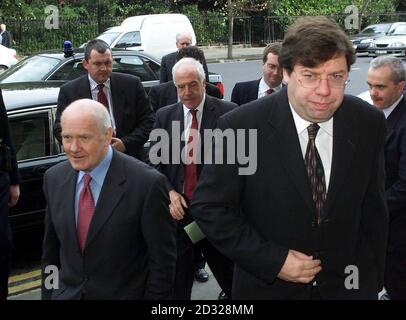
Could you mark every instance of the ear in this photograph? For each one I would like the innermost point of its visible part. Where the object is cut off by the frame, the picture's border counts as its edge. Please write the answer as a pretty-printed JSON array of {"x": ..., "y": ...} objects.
[
  {"x": 286, "y": 76},
  {"x": 85, "y": 64},
  {"x": 109, "y": 135}
]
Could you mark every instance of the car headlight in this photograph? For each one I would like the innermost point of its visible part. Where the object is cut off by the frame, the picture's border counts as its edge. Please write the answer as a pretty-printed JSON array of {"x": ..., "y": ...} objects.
[
  {"x": 366, "y": 41},
  {"x": 372, "y": 44},
  {"x": 397, "y": 44}
]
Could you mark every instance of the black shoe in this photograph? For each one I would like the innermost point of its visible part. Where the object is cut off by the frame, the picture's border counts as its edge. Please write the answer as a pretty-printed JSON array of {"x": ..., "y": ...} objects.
[
  {"x": 201, "y": 275},
  {"x": 223, "y": 296}
]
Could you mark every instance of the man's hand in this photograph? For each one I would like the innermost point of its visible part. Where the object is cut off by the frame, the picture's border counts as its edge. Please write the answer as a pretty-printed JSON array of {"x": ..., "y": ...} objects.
[
  {"x": 14, "y": 195},
  {"x": 299, "y": 267},
  {"x": 177, "y": 204},
  {"x": 117, "y": 144}
]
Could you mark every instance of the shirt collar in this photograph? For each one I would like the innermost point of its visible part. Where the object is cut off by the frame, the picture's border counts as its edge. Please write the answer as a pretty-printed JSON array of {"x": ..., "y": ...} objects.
[
  {"x": 263, "y": 86},
  {"x": 302, "y": 124},
  {"x": 94, "y": 84},
  {"x": 99, "y": 173},
  {"x": 199, "y": 107},
  {"x": 388, "y": 111}
]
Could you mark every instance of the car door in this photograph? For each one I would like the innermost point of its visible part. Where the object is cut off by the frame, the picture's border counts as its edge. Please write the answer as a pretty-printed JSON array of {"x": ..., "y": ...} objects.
[{"x": 36, "y": 151}]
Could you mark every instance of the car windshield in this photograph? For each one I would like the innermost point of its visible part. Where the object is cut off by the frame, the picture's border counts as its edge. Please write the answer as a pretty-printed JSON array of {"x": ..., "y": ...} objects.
[
  {"x": 109, "y": 37},
  {"x": 400, "y": 30},
  {"x": 376, "y": 29},
  {"x": 130, "y": 39},
  {"x": 33, "y": 68}
]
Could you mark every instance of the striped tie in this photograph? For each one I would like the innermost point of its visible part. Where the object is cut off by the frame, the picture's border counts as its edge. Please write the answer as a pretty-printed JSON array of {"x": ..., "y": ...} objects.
[{"x": 315, "y": 171}]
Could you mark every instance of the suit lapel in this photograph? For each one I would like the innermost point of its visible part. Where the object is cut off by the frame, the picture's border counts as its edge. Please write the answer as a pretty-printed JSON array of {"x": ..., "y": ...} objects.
[
  {"x": 84, "y": 89},
  {"x": 68, "y": 188},
  {"x": 110, "y": 195},
  {"x": 283, "y": 130},
  {"x": 344, "y": 146},
  {"x": 118, "y": 98},
  {"x": 394, "y": 118}
]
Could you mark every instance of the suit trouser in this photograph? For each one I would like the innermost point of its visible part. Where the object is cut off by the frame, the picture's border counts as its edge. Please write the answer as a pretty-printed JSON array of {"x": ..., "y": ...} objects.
[{"x": 221, "y": 266}]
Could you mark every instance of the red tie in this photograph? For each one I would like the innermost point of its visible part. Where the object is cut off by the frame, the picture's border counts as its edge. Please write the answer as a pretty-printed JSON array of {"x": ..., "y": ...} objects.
[
  {"x": 269, "y": 91},
  {"x": 85, "y": 212},
  {"x": 190, "y": 169},
  {"x": 101, "y": 97}
]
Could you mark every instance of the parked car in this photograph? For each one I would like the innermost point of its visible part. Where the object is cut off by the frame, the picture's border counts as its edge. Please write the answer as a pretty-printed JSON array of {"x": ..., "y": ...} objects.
[
  {"x": 155, "y": 33},
  {"x": 394, "y": 43},
  {"x": 56, "y": 65},
  {"x": 31, "y": 110},
  {"x": 8, "y": 57}
]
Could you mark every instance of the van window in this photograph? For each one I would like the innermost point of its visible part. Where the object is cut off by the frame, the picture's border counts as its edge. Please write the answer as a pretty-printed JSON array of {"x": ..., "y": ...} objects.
[
  {"x": 109, "y": 37},
  {"x": 130, "y": 39}
]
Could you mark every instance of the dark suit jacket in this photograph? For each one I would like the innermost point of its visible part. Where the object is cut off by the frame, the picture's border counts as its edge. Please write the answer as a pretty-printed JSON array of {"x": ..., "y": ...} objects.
[
  {"x": 165, "y": 94},
  {"x": 244, "y": 92},
  {"x": 167, "y": 63},
  {"x": 130, "y": 250},
  {"x": 6, "y": 179},
  {"x": 133, "y": 115},
  {"x": 7, "y": 39},
  {"x": 213, "y": 108},
  {"x": 395, "y": 163},
  {"x": 254, "y": 219}
]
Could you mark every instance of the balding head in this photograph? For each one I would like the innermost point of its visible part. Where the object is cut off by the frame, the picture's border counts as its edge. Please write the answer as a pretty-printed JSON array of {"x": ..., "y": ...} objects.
[
  {"x": 86, "y": 133},
  {"x": 2, "y": 27},
  {"x": 183, "y": 39}
]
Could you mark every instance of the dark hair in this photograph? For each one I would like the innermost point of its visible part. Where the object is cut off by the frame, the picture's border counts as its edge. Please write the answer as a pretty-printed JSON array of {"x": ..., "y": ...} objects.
[
  {"x": 274, "y": 48},
  {"x": 311, "y": 41},
  {"x": 99, "y": 45},
  {"x": 192, "y": 52}
]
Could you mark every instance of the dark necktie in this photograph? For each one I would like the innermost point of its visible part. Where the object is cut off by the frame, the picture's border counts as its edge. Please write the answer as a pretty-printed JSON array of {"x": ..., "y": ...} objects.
[
  {"x": 85, "y": 211},
  {"x": 315, "y": 171},
  {"x": 101, "y": 97},
  {"x": 269, "y": 91},
  {"x": 190, "y": 167}
]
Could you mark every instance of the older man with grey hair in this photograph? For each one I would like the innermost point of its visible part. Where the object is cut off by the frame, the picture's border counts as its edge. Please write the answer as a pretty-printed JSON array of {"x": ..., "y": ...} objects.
[
  {"x": 183, "y": 39},
  {"x": 194, "y": 112},
  {"x": 108, "y": 232},
  {"x": 386, "y": 80}
]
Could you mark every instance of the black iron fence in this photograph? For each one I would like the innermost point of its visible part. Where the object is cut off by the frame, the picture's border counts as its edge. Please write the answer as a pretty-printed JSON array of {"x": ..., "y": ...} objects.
[{"x": 32, "y": 35}]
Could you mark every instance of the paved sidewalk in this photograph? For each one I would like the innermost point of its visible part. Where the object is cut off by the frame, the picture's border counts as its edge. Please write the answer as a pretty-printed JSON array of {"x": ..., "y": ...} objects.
[{"x": 239, "y": 52}]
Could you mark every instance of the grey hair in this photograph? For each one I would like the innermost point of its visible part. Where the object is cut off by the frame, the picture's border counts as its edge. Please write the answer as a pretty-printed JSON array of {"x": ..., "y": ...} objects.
[
  {"x": 396, "y": 65},
  {"x": 180, "y": 34},
  {"x": 191, "y": 62},
  {"x": 94, "y": 108}
]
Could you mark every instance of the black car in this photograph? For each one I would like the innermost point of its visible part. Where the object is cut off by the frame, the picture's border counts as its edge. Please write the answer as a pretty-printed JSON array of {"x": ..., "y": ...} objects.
[
  {"x": 31, "y": 110},
  {"x": 56, "y": 65}
]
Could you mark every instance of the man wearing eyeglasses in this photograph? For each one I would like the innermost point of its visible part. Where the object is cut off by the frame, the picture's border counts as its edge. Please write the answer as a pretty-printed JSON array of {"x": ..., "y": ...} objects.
[
  {"x": 270, "y": 82},
  {"x": 311, "y": 222}
]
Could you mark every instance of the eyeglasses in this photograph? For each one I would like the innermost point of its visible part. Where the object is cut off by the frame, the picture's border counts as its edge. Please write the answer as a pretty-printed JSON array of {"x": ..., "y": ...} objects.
[{"x": 312, "y": 81}]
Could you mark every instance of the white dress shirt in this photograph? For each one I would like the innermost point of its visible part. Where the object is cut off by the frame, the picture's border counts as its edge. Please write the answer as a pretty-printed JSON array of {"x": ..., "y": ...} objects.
[
  {"x": 263, "y": 88},
  {"x": 324, "y": 141},
  {"x": 107, "y": 91},
  {"x": 388, "y": 111}
]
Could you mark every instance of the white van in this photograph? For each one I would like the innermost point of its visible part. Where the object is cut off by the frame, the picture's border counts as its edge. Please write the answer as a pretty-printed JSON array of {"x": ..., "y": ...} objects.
[{"x": 155, "y": 34}]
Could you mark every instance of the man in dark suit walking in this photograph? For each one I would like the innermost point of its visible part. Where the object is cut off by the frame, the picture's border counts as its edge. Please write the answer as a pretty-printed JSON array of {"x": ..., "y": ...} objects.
[
  {"x": 108, "y": 231},
  {"x": 183, "y": 40},
  {"x": 123, "y": 95},
  {"x": 165, "y": 93},
  {"x": 386, "y": 79},
  {"x": 195, "y": 112},
  {"x": 311, "y": 221},
  {"x": 271, "y": 81},
  {"x": 9, "y": 194}
]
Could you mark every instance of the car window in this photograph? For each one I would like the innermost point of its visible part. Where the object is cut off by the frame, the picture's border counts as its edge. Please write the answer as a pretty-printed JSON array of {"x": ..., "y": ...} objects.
[
  {"x": 34, "y": 68},
  {"x": 69, "y": 71},
  {"x": 130, "y": 39},
  {"x": 399, "y": 30},
  {"x": 376, "y": 29},
  {"x": 155, "y": 67},
  {"x": 31, "y": 135},
  {"x": 134, "y": 65}
]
